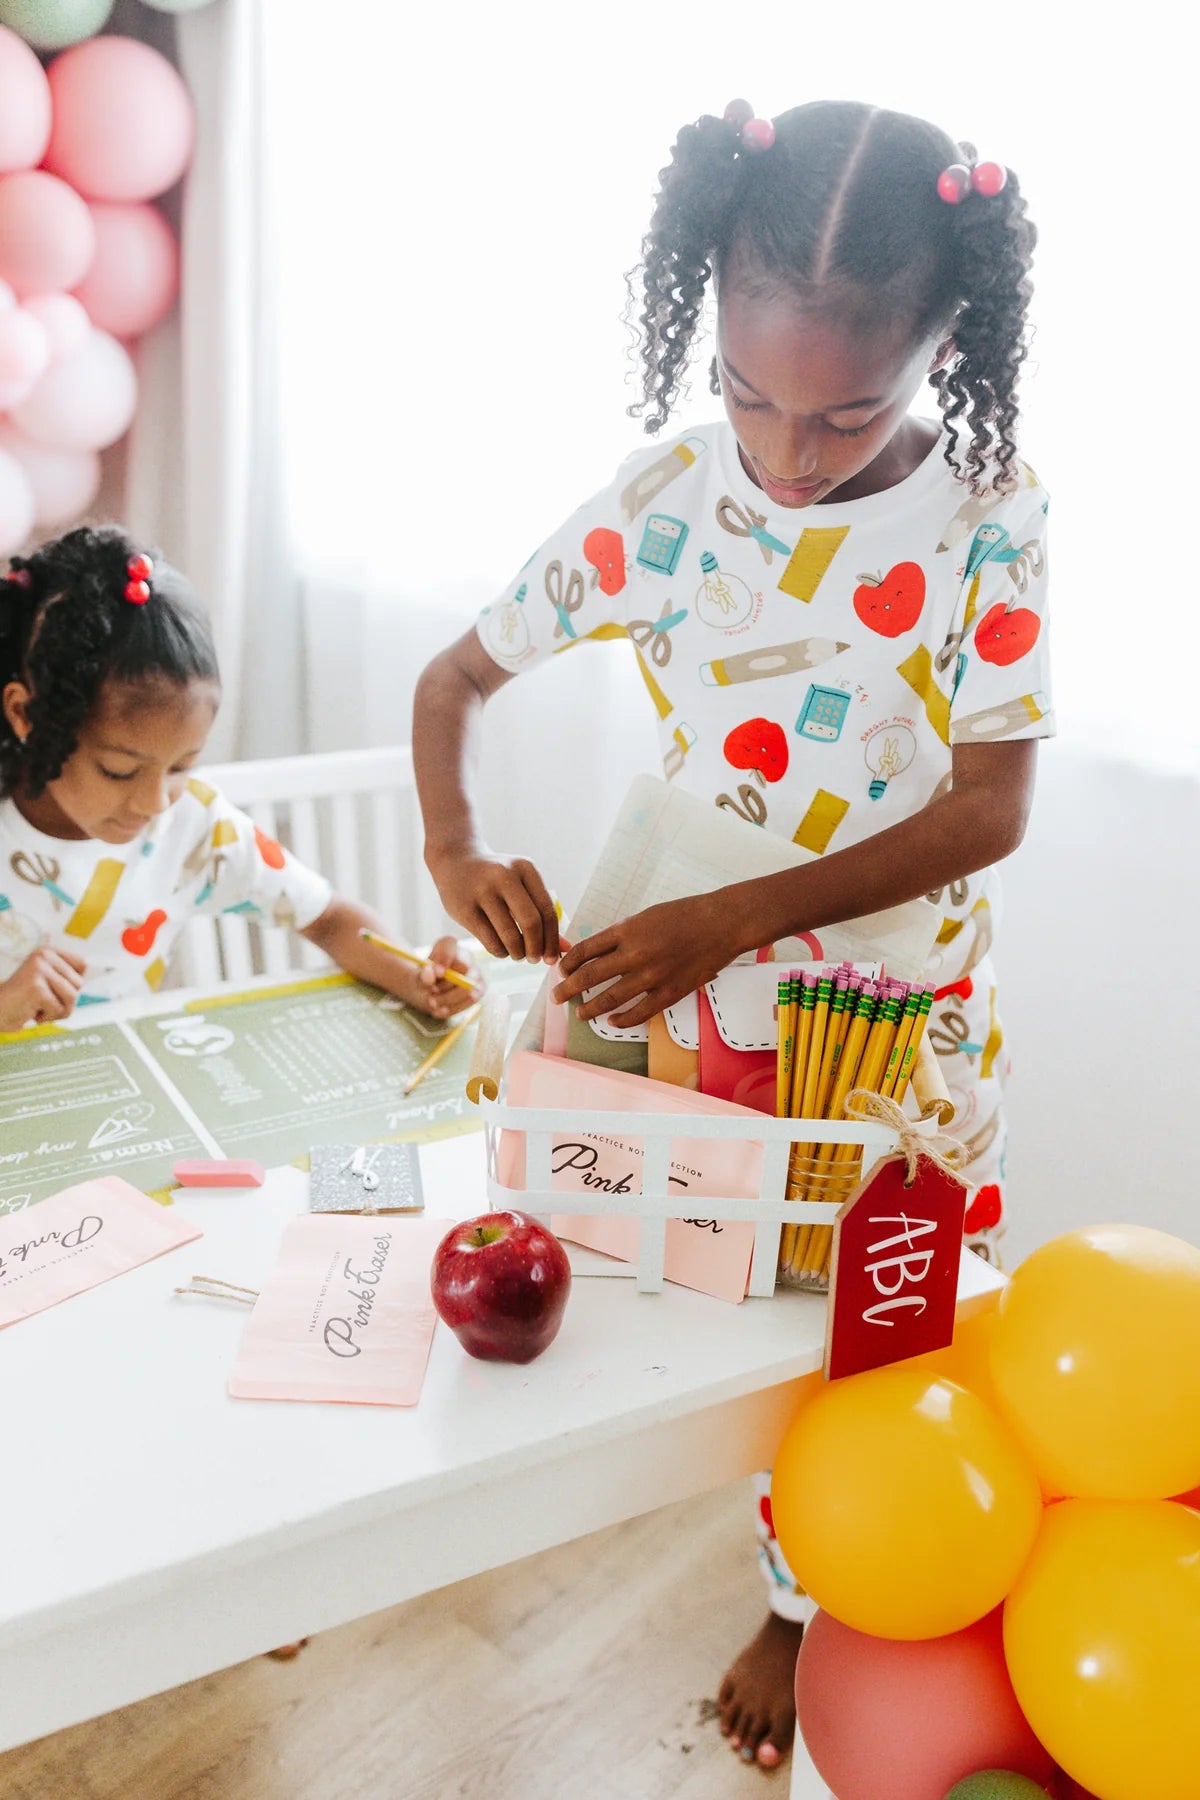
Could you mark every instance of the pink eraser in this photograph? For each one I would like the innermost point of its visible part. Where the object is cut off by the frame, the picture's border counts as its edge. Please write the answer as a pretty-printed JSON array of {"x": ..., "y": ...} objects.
[{"x": 220, "y": 1174}]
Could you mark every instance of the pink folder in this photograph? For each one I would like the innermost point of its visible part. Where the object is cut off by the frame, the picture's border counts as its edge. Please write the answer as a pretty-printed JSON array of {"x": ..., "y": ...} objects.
[{"x": 711, "y": 1255}]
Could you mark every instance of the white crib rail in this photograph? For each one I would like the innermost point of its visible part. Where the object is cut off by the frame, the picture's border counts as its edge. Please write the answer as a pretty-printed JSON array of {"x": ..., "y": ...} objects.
[{"x": 655, "y": 1204}]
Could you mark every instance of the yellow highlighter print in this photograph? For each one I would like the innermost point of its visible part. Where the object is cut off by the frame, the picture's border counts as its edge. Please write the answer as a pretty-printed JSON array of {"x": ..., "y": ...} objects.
[
  {"x": 820, "y": 822},
  {"x": 200, "y": 790},
  {"x": 810, "y": 560},
  {"x": 917, "y": 670},
  {"x": 97, "y": 898}
]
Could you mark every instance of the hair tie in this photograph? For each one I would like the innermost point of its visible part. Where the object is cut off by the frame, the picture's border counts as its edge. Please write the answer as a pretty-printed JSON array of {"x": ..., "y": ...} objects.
[
  {"x": 20, "y": 578},
  {"x": 754, "y": 135},
  {"x": 139, "y": 569},
  {"x": 985, "y": 178}
]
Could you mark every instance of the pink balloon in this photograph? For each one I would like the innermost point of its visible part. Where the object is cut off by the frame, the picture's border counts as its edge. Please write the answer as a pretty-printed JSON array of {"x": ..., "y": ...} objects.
[
  {"x": 879, "y": 1716},
  {"x": 16, "y": 505},
  {"x": 134, "y": 276},
  {"x": 47, "y": 239},
  {"x": 86, "y": 401},
  {"x": 24, "y": 351},
  {"x": 25, "y": 113},
  {"x": 123, "y": 121},
  {"x": 64, "y": 482},
  {"x": 63, "y": 319}
]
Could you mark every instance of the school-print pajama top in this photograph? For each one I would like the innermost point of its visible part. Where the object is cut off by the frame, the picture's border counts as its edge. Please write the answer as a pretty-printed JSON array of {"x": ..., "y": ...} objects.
[
  {"x": 121, "y": 907},
  {"x": 812, "y": 671}
]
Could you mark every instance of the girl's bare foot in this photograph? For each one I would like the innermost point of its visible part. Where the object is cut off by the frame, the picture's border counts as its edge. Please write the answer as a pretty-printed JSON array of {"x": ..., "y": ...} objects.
[{"x": 757, "y": 1701}]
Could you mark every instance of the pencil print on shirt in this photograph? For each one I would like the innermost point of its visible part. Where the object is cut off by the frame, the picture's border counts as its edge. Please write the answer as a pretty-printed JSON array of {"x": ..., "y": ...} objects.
[{"x": 651, "y": 480}]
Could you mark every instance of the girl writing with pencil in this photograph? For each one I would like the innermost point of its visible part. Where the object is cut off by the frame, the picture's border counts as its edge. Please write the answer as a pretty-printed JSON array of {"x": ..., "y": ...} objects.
[
  {"x": 110, "y": 840},
  {"x": 837, "y": 604}
]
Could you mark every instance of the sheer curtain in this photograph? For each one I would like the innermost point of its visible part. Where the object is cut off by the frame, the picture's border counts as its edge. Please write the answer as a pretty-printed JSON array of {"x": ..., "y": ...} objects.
[{"x": 457, "y": 194}]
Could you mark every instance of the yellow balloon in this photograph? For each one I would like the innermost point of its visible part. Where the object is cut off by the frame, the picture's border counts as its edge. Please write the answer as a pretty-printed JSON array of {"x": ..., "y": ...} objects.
[
  {"x": 1102, "y": 1640},
  {"x": 903, "y": 1505},
  {"x": 1096, "y": 1363},
  {"x": 967, "y": 1359}
]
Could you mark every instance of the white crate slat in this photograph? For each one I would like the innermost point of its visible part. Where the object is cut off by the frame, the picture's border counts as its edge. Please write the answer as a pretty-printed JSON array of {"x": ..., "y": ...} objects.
[
  {"x": 388, "y": 889},
  {"x": 343, "y": 809},
  {"x": 656, "y": 1204}
]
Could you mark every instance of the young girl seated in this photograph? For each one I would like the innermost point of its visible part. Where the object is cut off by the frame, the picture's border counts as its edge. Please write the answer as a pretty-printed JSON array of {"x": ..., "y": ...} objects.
[{"x": 109, "y": 843}]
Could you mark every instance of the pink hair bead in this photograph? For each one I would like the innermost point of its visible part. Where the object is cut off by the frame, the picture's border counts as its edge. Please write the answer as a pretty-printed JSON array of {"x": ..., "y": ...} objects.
[
  {"x": 758, "y": 134},
  {"x": 988, "y": 179},
  {"x": 739, "y": 113},
  {"x": 954, "y": 183}
]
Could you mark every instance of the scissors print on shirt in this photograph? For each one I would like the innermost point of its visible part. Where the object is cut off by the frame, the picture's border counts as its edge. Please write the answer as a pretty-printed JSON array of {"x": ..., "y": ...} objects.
[
  {"x": 40, "y": 871},
  {"x": 566, "y": 597},
  {"x": 653, "y": 634},
  {"x": 743, "y": 521}
]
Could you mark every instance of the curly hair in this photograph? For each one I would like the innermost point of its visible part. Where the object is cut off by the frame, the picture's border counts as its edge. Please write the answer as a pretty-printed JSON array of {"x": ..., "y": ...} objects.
[
  {"x": 66, "y": 628},
  {"x": 845, "y": 198}
]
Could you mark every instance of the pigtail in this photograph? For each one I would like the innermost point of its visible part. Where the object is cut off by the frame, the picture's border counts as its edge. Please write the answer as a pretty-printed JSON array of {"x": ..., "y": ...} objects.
[
  {"x": 696, "y": 199},
  {"x": 978, "y": 391}
]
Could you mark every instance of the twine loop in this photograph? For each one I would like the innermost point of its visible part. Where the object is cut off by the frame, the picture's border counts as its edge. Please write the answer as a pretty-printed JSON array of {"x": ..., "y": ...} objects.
[
  {"x": 211, "y": 1287},
  {"x": 945, "y": 1152}
]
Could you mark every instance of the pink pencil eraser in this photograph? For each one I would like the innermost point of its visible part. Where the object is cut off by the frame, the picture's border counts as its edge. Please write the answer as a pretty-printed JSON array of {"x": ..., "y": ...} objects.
[{"x": 220, "y": 1174}]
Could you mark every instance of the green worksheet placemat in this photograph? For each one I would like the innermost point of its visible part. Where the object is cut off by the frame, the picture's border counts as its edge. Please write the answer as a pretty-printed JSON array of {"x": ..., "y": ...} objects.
[
  {"x": 274, "y": 1073},
  {"x": 83, "y": 1103}
]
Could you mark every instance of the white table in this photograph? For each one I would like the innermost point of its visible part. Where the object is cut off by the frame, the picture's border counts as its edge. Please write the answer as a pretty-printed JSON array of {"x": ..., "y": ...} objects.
[{"x": 155, "y": 1530}]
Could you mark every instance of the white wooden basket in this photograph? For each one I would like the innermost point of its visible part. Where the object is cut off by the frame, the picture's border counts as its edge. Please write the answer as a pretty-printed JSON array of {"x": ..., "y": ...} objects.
[{"x": 655, "y": 1205}]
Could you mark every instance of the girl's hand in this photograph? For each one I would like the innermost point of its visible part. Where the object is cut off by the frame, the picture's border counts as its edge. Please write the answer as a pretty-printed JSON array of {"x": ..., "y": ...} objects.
[
  {"x": 652, "y": 959},
  {"x": 45, "y": 987},
  {"x": 500, "y": 900},
  {"x": 441, "y": 998}
]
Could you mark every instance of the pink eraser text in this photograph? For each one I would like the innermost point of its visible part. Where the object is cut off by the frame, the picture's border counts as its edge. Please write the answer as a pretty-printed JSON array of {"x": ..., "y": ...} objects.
[{"x": 220, "y": 1174}]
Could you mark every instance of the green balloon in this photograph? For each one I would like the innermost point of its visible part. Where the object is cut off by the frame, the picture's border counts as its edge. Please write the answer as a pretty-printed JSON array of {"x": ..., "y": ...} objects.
[
  {"x": 996, "y": 1784},
  {"x": 53, "y": 24}
]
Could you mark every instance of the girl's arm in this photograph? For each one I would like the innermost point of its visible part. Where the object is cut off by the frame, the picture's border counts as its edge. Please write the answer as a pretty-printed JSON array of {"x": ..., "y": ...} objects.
[
  {"x": 670, "y": 950},
  {"x": 500, "y": 900},
  {"x": 336, "y": 934}
]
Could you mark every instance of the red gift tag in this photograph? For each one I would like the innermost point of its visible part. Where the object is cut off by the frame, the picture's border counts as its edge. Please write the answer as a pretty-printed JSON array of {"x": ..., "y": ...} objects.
[{"x": 894, "y": 1273}]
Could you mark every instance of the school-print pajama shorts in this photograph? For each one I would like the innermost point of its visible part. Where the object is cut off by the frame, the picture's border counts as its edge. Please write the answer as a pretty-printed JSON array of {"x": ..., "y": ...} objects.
[{"x": 964, "y": 1030}]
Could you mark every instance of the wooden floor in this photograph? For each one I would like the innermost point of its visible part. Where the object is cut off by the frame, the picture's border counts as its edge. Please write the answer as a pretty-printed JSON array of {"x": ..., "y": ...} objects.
[{"x": 588, "y": 1672}]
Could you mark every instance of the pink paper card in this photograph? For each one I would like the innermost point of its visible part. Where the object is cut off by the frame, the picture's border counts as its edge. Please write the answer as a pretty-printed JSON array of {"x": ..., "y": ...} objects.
[
  {"x": 346, "y": 1313},
  {"x": 79, "y": 1238},
  {"x": 708, "y": 1254}
]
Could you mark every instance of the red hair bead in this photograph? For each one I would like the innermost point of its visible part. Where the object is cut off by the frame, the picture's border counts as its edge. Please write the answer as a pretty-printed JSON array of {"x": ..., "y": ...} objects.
[
  {"x": 758, "y": 134},
  {"x": 954, "y": 183},
  {"x": 739, "y": 113},
  {"x": 140, "y": 568},
  {"x": 137, "y": 593},
  {"x": 988, "y": 179}
]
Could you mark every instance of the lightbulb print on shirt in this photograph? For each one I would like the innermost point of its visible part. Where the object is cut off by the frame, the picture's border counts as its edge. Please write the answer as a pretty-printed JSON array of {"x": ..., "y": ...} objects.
[
  {"x": 507, "y": 628},
  {"x": 722, "y": 601},
  {"x": 888, "y": 751}
]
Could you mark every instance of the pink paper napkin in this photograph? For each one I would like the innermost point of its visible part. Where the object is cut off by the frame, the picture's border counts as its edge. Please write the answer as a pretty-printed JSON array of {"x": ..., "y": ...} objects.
[
  {"x": 79, "y": 1238},
  {"x": 346, "y": 1313}
]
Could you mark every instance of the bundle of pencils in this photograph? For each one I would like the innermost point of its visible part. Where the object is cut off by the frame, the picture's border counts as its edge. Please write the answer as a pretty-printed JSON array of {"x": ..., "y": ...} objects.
[{"x": 837, "y": 1031}]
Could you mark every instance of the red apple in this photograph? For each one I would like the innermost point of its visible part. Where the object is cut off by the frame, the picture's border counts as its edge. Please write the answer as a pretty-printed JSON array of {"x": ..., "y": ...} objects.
[
  {"x": 758, "y": 744},
  {"x": 891, "y": 604},
  {"x": 500, "y": 1282},
  {"x": 1005, "y": 637}
]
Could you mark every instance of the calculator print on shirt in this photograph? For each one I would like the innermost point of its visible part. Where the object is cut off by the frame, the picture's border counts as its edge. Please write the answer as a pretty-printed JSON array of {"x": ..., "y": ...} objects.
[
  {"x": 662, "y": 542},
  {"x": 823, "y": 714}
]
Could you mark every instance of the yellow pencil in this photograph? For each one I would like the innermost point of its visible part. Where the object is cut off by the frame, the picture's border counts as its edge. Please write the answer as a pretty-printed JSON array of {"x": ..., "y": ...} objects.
[
  {"x": 914, "y": 1044},
  {"x": 904, "y": 1030},
  {"x": 410, "y": 956},
  {"x": 845, "y": 1079},
  {"x": 785, "y": 1019},
  {"x": 442, "y": 1048}
]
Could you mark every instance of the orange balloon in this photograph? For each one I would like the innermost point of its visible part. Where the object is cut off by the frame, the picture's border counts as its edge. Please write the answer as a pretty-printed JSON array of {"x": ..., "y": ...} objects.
[
  {"x": 1096, "y": 1362},
  {"x": 1102, "y": 1640},
  {"x": 903, "y": 1505}
]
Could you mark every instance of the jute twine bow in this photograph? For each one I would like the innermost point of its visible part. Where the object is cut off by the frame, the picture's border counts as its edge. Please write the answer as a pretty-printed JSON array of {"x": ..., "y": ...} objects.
[
  {"x": 210, "y": 1287},
  {"x": 945, "y": 1152}
]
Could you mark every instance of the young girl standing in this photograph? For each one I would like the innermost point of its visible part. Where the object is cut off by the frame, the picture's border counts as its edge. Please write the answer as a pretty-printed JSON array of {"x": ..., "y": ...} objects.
[
  {"x": 109, "y": 843},
  {"x": 837, "y": 606}
]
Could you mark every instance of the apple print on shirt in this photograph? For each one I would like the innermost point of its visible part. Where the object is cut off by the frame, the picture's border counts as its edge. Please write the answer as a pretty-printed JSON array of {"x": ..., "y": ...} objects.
[{"x": 891, "y": 604}]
